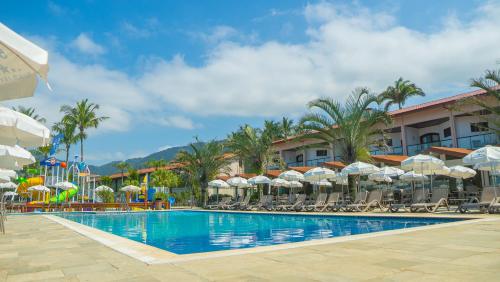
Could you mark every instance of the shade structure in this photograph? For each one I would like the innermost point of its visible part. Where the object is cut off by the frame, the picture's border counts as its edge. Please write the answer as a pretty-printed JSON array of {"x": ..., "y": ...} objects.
[
  {"x": 318, "y": 174},
  {"x": 8, "y": 185},
  {"x": 295, "y": 184},
  {"x": 130, "y": 188},
  {"x": 22, "y": 61},
  {"x": 390, "y": 171},
  {"x": 259, "y": 179},
  {"x": 462, "y": 172},
  {"x": 14, "y": 157},
  {"x": 238, "y": 182},
  {"x": 8, "y": 173},
  {"x": 103, "y": 188},
  {"x": 483, "y": 155},
  {"x": 39, "y": 188},
  {"x": 360, "y": 168},
  {"x": 322, "y": 183},
  {"x": 20, "y": 129},
  {"x": 492, "y": 166},
  {"x": 65, "y": 185},
  {"x": 291, "y": 175},
  {"x": 4, "y": 179},
  {"x": 413, "y": 176},
  {"x": 9, "y": 193},
  {"x": 380, "y": 178},
  {"x": 422, "y": 163},
  {"x": 444, "y": 170},
  {"x": 279, "y": 182},
  {"x": 218, "y": 184}
]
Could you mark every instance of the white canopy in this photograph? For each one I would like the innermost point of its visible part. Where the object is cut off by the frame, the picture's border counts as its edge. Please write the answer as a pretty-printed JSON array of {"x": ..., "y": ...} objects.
[
  {"x": 14, "y": 157},
  {"x": 8, "y": 173},
  {"x": 4, "y": 179},
  {"x": 65, "y": 185},
  {"x": 22, "y": 61},
  {"x": 279, "y": 182},
  {"x": 292, "y": 175},
  {"x": 39, "y": 188},
  {"x": 360, "y": 168},
  {"x": 390, "y": 171},
  {"x": 295, "y": 184},
  {"x": 422, "y": 164},
  {"x": 379, "y": 177},
  {"x": 218, "y": 184},
  {"x": 9, "y": 193},
  {"x": 8, "y": 185},
  {"x": 318, "y": 174},
  {"x": 103, "y": 188},
  {"x": 462, "y": 172},
  {"x": 483, "y": 155},
  {"x": 259, "y": 179},
  {"x": 413, "y": 176},
  {"x": 322, "y": 183},
  {"x": 493, "y": 166},
  {"x": 238, "y": 182},
  {"x": 130, "y": 188},
  {"x": 18, "y": 128}
]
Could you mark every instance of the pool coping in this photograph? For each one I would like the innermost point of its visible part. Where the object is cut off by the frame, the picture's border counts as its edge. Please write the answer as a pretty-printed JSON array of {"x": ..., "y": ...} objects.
[{"x": 153, "y": 255}]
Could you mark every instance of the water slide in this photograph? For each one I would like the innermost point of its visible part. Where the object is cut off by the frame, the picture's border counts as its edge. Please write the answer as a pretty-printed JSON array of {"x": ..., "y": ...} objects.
[
  {"x": 61, "y": 197},
  {"x": 23, "y": 187}
]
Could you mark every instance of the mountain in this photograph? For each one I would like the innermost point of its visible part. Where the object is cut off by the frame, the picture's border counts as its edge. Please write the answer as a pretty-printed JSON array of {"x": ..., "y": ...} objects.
[{"x": 167, "y": 155}]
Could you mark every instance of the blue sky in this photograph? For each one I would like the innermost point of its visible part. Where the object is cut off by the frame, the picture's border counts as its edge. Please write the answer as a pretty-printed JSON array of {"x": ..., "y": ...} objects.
[{"x": 166, "y": 71}]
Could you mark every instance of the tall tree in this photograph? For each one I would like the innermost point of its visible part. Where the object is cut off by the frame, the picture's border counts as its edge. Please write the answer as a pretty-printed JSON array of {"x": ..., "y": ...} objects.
[
  {"x": 83, "y": 116},
  {"x": 156, "y": 164},
  {"x": 398, "y": 93},
  {"x": 287, "y": 128},
  {"x": 31, "y": 112},
  {"x": 350, "y": 126},
  {"x": 69, "y": 136},
  {"x": 122, "y": 167},
  {"x": 165, "y": 178},
  {"x": 490, "y": 83},
  {"x": 202, "y": 163}
]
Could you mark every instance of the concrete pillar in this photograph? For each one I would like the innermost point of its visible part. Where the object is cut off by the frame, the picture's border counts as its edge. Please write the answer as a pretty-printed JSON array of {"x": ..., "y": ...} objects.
[
  {"x": 403, "y": 138},
  {"x": 454, "y": 142}
]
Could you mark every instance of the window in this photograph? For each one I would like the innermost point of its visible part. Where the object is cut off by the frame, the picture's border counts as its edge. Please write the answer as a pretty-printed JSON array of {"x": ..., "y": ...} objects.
[
  {"x": 299, "y": 158},
  {"x": 447, "y": 132},
  {"x": 479, "y": 126},
  {"x": 429, "y": 138},
  {"x": 389, "y": 142},
  {"x": 321, "y": 153}
]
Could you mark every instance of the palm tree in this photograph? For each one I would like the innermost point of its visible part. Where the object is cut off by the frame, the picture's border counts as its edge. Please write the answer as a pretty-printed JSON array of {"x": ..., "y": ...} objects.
[
  {"x": 490, "y": 83},
  {"x": 122, "y": 167},
  {"x": 254, "y": 146},
  {"x": 31, "y": 112},
  {"x": 202, "y": 163},
  {"x": 165, "y": 178},
  {"x": 156, "y": 163},
  {"x": 68, "y": 132},
  {"x": 287, "y": 128},
  {"x": 350, "y": 126},
  {"x": 82, "y": 117},
  {"x": 399, "y": 93}
]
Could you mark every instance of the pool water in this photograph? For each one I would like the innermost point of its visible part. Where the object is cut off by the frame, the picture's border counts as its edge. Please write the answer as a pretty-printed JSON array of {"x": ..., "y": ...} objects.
[{"x": 186, "y": 232}]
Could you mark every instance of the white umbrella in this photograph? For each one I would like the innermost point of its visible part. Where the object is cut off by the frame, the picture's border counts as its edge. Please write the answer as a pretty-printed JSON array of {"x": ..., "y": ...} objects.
[
  {"x": 4, "y": 179},
  {"x": 22, "y": 62},
  {"x": 18, "y": 128},
  {"x": 130, "y": 188},
  {"x": 8, "y": 185},
  {"x": 259, "y": 179},
  {"x": 14, "y": 157},
  {"x": 9, "y": 193},
  {"x": 461, "y": 172},
  {"x": 322, "y": 183},
  {"x": 292, "y": 175},
  {"x": 318, "y": 174},
  {"x": 413, "y": 176},
  {"x": 39, "y": 188},
  {"x": 279, "y": 182},
  {"x": 424, "y": 164},
  {"x": 218, "y": 184},
  {"x": 389, "y": 171},
  {"x": 483, "y": 155},
  {"x": 493, "y": 166},
  {"x": 379, "y": 177},
  {"x": 295, "y": 184},
  {"x": 8, "y": 173},
  {"x": 359, "y": 168},
  {"x": 238, "y": 182},
  {"x": 103, "y": 188},
  {"x": 65, "y": 185}
]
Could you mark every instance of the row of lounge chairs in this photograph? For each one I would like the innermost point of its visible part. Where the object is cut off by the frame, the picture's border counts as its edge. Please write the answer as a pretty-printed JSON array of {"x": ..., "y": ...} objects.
[{"x": 422, "y": 200}]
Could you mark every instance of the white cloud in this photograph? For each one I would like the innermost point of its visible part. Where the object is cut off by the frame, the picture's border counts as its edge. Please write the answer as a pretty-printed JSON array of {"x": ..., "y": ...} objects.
[
  {"x": 176, "y": 121},
  {"x": 162, "y": 148},
  {"x": 85, "y": 44},
  {"x": 216, "y": 35}
]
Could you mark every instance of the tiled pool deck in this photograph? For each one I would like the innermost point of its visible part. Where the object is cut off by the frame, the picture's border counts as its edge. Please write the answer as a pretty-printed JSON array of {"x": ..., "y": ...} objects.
[{"x": 37, "y": 248}]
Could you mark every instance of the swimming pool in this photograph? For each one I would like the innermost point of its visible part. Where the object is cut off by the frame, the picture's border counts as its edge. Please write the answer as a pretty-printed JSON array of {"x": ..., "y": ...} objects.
[{"x": 186, "y": 232}]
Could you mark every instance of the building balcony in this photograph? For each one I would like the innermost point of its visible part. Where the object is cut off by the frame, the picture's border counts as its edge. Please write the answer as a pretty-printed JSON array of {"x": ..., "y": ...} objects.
[
  {"x": 477, "y": 141},
  {"x": 392, "y": 150},
  {"x": 419, "y": 148}
]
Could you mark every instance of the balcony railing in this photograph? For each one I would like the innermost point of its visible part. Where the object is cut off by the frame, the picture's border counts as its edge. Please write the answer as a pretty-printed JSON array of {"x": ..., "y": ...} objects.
[
  {"x": 477, "y": 141},
  {"x": 318, "y": 161},
  {"x": 419, "y": 148},
  {"x": 396, "y": 150}
]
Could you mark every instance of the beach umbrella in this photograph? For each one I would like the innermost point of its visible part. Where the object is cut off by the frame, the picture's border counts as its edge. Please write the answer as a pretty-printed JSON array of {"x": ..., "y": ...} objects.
[
  {"x": 8, "y": 185},
  {"x": 218, "y": 184},
  {"x": 279, "y": 182},
  {"x": 318, "y": 174},
  {"x": 103, "y": 188},
  {"x": 4, "y": 179},
  {"x": 461, "y": 172},
  {"x": 8, "y": 173},
  {"x": 379, "y": 177},
  {"x": 14, "y": 157},
  {"x": 291, "y": 175},
  {"x": 259, "y": 179},
  {"x": 130, "y": 188},
  {"x": 295, "y": 184},
  {"x": 39, "y": 188},
  {"x": 483, "y": 155},
  {"x": 20, "y": 129},
  {"x": 492, "y": 166},
  {"x": 389, "y": 171},
  {"x": 424, "y": 164},
  {"x": 21, "y": 61},
  {"x": 10, "y": 193},
  {"x": 413, "y": 176},
  {"x": 65, "y": 185},
  {"x": 322, "y": 183},
  {"x": 359, "y": 168},
  {"x": 238, "y": 182}
]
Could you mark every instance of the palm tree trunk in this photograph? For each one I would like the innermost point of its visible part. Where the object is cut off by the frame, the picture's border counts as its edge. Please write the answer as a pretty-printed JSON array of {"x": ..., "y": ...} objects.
[
  {"x": 81, "y": 149},
  {"x": 67, "y": 153}
]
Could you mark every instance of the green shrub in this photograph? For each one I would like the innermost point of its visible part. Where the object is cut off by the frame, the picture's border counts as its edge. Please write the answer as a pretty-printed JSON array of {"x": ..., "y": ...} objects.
[{"x": 106, "y": 196}]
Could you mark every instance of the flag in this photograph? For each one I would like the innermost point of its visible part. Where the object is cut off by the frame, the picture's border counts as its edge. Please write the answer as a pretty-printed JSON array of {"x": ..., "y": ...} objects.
[{"x": 55, "y": 143}]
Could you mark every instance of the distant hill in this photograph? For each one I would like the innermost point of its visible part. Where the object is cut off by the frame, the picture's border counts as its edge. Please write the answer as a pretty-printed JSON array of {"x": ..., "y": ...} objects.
[{"x": 167, "y": 155}]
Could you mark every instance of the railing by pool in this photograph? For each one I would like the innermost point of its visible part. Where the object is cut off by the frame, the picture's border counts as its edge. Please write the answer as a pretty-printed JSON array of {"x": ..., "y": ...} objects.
[
  {"x": 477, "y": 141},
  {"x": 396, "y": 150}
]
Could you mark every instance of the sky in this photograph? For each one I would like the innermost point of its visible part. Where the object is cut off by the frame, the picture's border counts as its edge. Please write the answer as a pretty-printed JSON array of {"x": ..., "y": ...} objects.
[{"x": 167, "y": 71}]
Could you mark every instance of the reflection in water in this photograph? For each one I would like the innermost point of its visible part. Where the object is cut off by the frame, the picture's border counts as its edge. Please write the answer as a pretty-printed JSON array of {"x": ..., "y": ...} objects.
[{"x": 185, "y": 232}]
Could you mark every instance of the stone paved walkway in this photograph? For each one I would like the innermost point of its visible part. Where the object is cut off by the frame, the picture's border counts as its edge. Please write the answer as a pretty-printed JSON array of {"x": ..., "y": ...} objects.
[{"x": 37, "y": 249}]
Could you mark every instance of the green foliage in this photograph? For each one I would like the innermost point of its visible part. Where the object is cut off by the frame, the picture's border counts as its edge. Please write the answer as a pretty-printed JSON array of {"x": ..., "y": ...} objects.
[
  {"x": 399, "y": 93},
  {"x": 68, "y": 130},
  {"x": 31, "y": 112},
  {"x": 161, "y": 196},
  {"x": 106, "y": 196},
  {"x": 106, "y": 180},
  {"x": 165, "y": 178},
  {"x": 156, "y": 163},
  {"x": 490, "y": 83}
]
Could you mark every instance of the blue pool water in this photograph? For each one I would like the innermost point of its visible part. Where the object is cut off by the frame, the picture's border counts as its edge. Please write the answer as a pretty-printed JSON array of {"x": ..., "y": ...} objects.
[{"x": 185, "y": 232}]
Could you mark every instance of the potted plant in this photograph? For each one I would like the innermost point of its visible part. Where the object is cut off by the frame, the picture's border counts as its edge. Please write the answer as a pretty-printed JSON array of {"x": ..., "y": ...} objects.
[{"x": 160, "y": 198}]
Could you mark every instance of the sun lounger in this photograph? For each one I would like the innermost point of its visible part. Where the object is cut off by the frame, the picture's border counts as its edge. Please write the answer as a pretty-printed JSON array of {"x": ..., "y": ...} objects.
[
  {"x": 265, "y": 202},
  {"x": 224, "y": 201},
  {"x": 494, "y": 206},
  {"x": 296, "y": 206},
  {"x": 482, "y": 204},
  {"x": 418, "y": 196},
  {"x": 439, "y": 198},
  {"x": 374, "y": 200},
  {"x": 292, "y": 198},
  {"x": 236, "y": 205},
  {"x": 333, "y": 203},
  {"x": 319, "y": 204},
  {"x": 360, "y": 199}
]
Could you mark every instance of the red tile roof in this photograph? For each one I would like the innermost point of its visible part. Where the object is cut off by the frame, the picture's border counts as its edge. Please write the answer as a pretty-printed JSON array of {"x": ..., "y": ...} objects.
[
  {"x": 335, "y": 164},
  {"x": 454, "y": 152},
  {"x": 389, "y": 159},
  {"x": 246, "y": 175},
  {"x": 148, "y": 170},
  {"x": 223, "y": 177},
  {"x": 274, "y": 173},
  {"x": 301, "y": 169}
]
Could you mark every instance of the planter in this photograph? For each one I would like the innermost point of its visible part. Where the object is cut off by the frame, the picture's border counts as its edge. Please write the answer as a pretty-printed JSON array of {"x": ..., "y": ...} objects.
[{"x": 158, "y": 205}]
